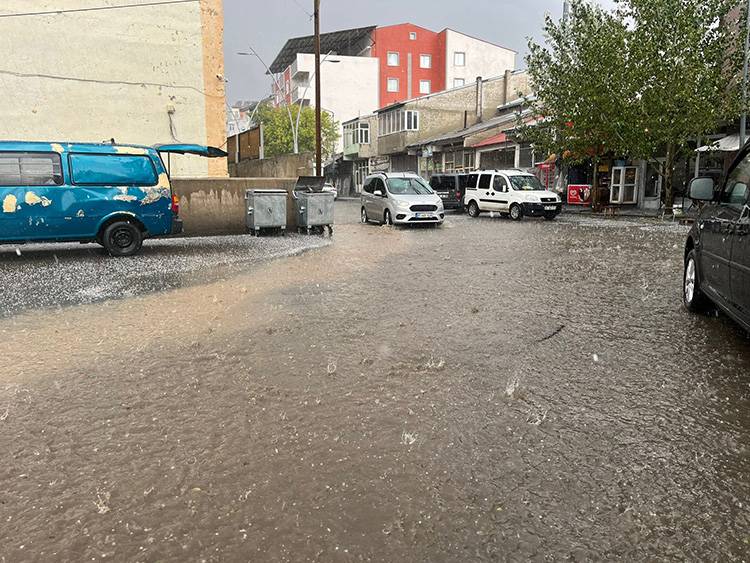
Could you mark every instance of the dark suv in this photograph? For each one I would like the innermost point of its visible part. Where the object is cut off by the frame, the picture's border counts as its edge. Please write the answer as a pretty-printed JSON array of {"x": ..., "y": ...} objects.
[
  {"x": 717, "y": 253},
  {"x": 450, "y": 188}
]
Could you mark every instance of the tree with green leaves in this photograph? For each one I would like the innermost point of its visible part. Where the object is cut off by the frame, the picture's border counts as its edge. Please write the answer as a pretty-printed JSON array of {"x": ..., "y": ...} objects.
[
  {"x": 685, "y": 56},
  {"x": 277, "y": 130},
  {"x": 642, "y": 81}
]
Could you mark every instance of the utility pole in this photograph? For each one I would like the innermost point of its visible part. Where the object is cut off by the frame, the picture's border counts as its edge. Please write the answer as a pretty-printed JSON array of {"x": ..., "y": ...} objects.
[
  {"x": 318, "y": 134},
  {"x": 743, "y": 119}
]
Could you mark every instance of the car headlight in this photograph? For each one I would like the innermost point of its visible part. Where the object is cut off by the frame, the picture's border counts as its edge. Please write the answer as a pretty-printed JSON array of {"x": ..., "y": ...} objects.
[
  {"x": 403, "y": 205},
  {"x": 533, "y": 199}
]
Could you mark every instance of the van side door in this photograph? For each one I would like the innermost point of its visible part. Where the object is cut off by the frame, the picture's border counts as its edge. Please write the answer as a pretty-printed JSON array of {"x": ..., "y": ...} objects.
[
  {"x": 487, "y": 200},
  {"x": 470, "y": 191},
  {"x": 31, "y": 190},
  {"x": 739, "y": 183},
  {"x": 502, "y": 192},
  {"x": 718, "y": 227}
]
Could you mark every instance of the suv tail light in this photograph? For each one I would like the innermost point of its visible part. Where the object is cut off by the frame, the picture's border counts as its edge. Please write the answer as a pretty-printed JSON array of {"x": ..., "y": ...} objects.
[{"x": 175, "y": 204}]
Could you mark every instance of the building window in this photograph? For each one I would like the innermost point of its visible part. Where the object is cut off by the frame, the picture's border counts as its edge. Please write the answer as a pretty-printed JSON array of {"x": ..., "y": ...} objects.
[
  {"x": 425, "y": 61},
  {"x": 356, "y": 134},
  {"x": 412, "y": 35},
  {"x": 392, "y": 85},
  {"x": 424, "y": 86},
  {"x": 458, "y": 82},
  {"x": 398, "y": 120},
  {"x": 459, "y": 59},
  {"x": 392, "y": 58}
]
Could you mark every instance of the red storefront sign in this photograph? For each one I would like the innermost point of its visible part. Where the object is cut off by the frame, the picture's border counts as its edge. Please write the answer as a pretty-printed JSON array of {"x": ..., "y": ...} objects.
[{"x": 579, "y": 194}]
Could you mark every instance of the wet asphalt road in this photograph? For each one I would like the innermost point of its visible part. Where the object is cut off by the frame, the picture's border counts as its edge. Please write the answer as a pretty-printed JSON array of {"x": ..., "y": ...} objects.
[{"x": 489, "y": 390}]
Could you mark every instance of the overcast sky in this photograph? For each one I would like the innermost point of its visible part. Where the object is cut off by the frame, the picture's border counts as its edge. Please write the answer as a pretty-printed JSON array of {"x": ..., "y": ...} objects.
[{"x": 265, "y": 25}]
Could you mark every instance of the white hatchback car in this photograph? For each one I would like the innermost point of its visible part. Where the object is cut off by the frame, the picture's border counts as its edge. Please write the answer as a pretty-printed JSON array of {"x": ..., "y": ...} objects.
[
  {"x": 510, "y": 192},
  {"x": 400, "y": 198}
]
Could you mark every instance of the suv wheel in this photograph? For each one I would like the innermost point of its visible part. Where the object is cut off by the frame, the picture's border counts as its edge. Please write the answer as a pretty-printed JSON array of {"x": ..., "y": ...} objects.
[
  {"x": 694, "y": 299},
  {"x": 387, "y": 219},
  {"x": 363, "y": 215},
  {"x": 516, "y": 213},
  {"x": 473, "y": 209}
]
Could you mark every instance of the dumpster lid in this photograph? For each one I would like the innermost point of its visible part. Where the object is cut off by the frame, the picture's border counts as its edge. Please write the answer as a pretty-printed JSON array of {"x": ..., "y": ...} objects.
[{"x": 310, "y": 184}]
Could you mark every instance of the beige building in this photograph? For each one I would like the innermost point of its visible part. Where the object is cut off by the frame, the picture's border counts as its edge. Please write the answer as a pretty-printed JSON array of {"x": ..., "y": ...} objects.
[{"x": 90, "y": 71}]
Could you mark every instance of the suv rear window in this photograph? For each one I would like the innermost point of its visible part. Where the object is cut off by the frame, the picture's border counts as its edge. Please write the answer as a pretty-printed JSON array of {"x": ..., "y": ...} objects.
[
  {"x": 112, "y": 170},
  {"x": 448, "y": 183},
  {"x": 471, "y": 182},
  {"x": 30, "y": 169}
]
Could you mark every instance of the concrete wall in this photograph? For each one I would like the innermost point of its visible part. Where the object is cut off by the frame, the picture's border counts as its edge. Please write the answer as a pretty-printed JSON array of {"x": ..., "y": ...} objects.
[
  {"x": 95, "y": 75},
  {"x": 281, "y": 166},
  {"x": 216, "y": 206},
  {"x": 482, "y": 58}
]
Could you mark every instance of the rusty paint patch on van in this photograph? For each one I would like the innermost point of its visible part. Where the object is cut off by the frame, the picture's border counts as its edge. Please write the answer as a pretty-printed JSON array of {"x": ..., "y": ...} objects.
[
  {"x": 125, "y": 197},
  {"x": 130, "y": 150},
  {"x": 33, "y": 199},
  {"x": 57, "y": 147},
  {"x": 10, "y": 203}
]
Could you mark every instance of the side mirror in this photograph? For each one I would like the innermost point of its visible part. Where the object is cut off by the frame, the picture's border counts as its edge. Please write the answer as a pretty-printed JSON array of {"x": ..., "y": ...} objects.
[
  {"x": 378, "y": 193},
  {"x": 701, "y": 189}
]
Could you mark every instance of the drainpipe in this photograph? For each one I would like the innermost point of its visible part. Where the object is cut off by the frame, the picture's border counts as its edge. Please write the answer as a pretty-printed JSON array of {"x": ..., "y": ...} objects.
[
  {"x": 480, "y": 99},
  {"x": 506, "y": 86}
]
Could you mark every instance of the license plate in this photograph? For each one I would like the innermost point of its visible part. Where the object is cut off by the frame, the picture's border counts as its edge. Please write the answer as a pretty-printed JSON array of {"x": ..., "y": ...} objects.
[
  {"x": 421, "y": 215},
  {"x": 550, "y": 207}
]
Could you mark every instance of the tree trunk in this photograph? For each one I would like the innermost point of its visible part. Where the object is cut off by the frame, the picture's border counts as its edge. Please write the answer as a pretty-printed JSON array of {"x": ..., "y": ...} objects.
[
  {"x": 594, "y": 185},
  {"x": 668, "y": 192}
]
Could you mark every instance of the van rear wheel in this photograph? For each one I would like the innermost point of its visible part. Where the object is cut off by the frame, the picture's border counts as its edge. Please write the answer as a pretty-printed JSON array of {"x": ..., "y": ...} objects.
[{"x": 121, "y": 239}]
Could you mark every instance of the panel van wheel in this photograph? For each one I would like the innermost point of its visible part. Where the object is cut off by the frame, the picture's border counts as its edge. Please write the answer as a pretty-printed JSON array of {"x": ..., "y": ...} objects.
[
  {"x": 473, "y": 209},
  {"x": 122, "y": 238},
  {"x": 363, "y": 215},
  {"x": 387, "y": 218},
  {"x": 694, "y": 299},
  {"x": 516, "y": 213}
]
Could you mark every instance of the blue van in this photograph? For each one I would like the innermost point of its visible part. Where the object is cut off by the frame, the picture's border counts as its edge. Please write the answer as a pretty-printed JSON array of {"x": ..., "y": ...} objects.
[{"x": 115, "y": 195}]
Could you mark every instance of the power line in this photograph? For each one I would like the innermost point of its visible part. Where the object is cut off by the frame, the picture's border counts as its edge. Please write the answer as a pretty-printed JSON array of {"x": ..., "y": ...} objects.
[
  {"x": 303, "y": 8},
  {"x": 96, "y": 8},
  {"x": 108, "y": 82}
]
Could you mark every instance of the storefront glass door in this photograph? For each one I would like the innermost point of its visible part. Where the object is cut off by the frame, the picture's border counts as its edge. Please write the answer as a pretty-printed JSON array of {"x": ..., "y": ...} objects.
[{"x": 624, "y": 186}]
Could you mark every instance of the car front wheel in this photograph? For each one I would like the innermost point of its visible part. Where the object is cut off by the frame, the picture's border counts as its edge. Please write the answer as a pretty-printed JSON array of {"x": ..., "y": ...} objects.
[
  {"x": 694, "y": 299},
  {"x": 387, "y": 218},
  {"x": 363, "y": 215},
  {"x": 516, "y": 213}
]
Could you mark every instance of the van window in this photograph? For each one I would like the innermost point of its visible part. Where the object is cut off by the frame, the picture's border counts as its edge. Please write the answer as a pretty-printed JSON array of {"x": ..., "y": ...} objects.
[
  {"x": 484, "y": 181},
  {"x": 30, "y": 169},
  {"x": 112, "y": 170},
  {"x": 367, "y": 186},
  {"x": 435, "y": 182},
  {"x": 471, "y": 183},
  {"x": 500, "y": 185}
]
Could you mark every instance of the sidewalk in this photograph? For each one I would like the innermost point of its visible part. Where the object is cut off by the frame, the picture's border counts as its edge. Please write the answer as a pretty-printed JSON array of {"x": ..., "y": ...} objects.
[{"x": 630, "y": 212}]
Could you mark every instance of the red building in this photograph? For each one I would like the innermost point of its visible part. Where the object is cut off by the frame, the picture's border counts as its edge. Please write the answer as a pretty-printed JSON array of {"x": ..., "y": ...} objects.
[{"x": 412, "y": 61}]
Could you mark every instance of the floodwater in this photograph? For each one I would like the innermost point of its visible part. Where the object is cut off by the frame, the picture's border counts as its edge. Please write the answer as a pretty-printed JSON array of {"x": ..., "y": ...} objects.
[{"x": 488, "y": 390}]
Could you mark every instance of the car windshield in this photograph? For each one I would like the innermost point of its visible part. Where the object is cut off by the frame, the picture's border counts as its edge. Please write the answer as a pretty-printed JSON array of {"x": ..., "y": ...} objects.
[
  {"x": 526, "y": 183},
  {"x": 408, "y": 186}
]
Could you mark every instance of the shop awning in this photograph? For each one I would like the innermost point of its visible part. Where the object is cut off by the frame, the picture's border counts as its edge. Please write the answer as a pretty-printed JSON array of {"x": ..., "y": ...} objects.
[
  {"x": 494, "y": 140},
  {"x": 730, "y": 143}
]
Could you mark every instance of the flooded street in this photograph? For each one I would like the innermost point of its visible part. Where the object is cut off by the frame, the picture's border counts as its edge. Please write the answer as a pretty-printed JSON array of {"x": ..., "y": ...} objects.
[{"x": 488, "y": 390}]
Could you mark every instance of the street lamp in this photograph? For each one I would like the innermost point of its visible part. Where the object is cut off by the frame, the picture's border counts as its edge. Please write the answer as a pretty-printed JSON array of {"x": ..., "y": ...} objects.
[{"x": 253, "y": 53}]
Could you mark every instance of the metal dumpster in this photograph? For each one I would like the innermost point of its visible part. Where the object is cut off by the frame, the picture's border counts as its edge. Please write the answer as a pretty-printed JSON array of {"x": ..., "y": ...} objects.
[
  {"x": 266, "y": 209},
  {"x": 314, "y": 208}
]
